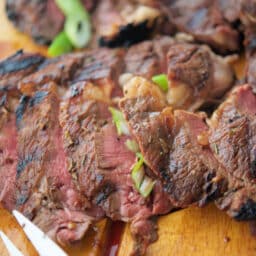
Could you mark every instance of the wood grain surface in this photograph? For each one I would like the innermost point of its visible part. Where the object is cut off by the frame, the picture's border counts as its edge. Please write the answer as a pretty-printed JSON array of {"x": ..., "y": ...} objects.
[{"x": 189, "y": 232}]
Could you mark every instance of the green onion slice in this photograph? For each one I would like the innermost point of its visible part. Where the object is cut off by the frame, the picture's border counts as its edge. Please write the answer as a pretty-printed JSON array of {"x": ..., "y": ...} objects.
[
  {"x": 162, "y": 81},
  {"x": 142, "y": 183},
  {"x": 118, "y": 118},
  {"x": 138, "y": 173},
  {"x": 78, "y": 29},
  {"x": 146, "y": 186},
  {"x": 60, "y": 45},
  {"x": 132, "y": 145}
]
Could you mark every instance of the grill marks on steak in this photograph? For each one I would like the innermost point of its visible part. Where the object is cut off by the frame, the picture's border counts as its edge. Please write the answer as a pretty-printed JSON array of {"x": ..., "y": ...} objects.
[
  {"x": 101, "y": 165},
  {"x": 8, "y": 153},
  {"x": 123, "y": 23},
  {"x": 17, "y": 66},
  {"x": 148, "y": 58},
  {"x": 205, "y": 21},
  {"x": 196, "y": 75},
  {"x": 169, "y": 144},
  {"x": 233, "y": 134},
  {"x": 99, "y": 66},
  {"x": 45, "y": 192}
]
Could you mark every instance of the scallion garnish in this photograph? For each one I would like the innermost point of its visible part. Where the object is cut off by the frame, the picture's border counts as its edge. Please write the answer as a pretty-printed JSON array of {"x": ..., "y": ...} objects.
[
  {"x": 77, "y": 25},
  {"x": 162, "y": 81},
  {"x": 132, "y": 145},
  {"x": 60, "y": 45},
  {"x": 146, "y": 186},
  {"x": 78, "y": 29},
  {"x": 138, "y": 173},
  {"x": 118, "y": 119},
  {"x": 143, "y": 183}
]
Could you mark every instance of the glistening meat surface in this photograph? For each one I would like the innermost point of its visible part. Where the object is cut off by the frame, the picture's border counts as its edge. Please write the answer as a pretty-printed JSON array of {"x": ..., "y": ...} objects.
[{"x": 233, "y": 138}]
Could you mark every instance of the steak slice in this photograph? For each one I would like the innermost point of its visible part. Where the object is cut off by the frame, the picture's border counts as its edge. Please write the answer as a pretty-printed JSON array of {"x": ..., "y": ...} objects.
[
  {"x": 196, "y": 75},
  {"x": 101, "y": 164},
  {"x": 172, "y": 144},
  {"x": 44, "y": 189},
  {"x": 41, "y": 19},
  {"x": 59, "y": 70},
  {"x": 8, "y": 151},
  {"x": 16, "y": 67},
  {"x": 205, "y": 21},
  {"x": 102, "y": 66},
  {"x": 233, "y": 138},
  {"x": 123, "y": 23},
  {"x": 148, "y": 58}
]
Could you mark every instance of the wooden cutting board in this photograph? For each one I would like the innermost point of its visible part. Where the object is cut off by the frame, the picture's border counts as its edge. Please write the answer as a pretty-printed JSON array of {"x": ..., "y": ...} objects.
[{"x": 193, "y": 231}]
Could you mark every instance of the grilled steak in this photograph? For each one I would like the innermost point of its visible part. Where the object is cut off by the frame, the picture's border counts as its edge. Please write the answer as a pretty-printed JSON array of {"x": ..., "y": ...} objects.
[
  {"x": 101, "y": 164},
  {"x": 170, "y": 145},
  {"x": 11, "y": 71},
  {"x": 232, "y": 138},
  {"x": 122, "y": 23},
  {"x": 16, "y": 67},
  {"x": 148, "y": 58},
  {"x": 205, "y": 21},
  {"x": 44, "y": 189},
  {"x": 100, "y": 66},
  {"x": 196, "y": 75},
  {"x": 8, "y": 152},
  {"x": 41, "y": 19}
]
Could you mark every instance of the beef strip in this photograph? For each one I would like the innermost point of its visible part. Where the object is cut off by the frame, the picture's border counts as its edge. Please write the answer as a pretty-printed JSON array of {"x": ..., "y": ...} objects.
[
  {"x": 12, "y": 70},
  {"x": 196, "y": 75},
  {"x": 248, "y": 16},
  {"x": 17, "y": 66},
  {"x": 148, "y": 58},
  {"x": 122, "y": 23},
  {"x": 41, "y": 19},
  {"x": 171, "y": 145},
  {"x": 45, "y": 192},
  {"x": 101, "y": 165},
  {"x": 205, "y": 21},
  {"x": 101, "y": 66},
  {"x": 233, "y": 139},
  {"x": 8, "y": 152}
]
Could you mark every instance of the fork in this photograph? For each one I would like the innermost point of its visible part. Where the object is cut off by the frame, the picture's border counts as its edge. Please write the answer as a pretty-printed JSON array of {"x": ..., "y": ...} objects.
[{"x": 42, "y": 243}]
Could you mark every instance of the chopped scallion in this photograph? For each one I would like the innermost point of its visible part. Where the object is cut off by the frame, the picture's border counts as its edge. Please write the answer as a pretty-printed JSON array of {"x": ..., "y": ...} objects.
[
  {"x": 146, "y": 186},
  {"x": 138, "y": 173},
  {"x": 142, "y": 183},
  {"x": 60, "y": 45},
  {"x": 77, "y": 24},
  {"x": 78, "y": 29},
  {"x": 162, "y": 81},
  {"x": 132, "y": 145},
  {"x": 118, "y": 118}
]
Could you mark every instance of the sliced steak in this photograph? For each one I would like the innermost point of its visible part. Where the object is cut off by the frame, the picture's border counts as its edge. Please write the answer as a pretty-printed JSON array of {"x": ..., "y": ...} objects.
[
  {"x": 171, "y": 145},
  {"x": 196, "y": 75},
  {"x": 41, "y": 19},
  {"x": 233, "y": 139},
  {"x": 101, "y": 165},
  {"x": 100, "y": 66},
  {"x": 205, "y": 21},
  {"x": 148, "y": 58},
  {"x": 59, "y": 70},
  {"x": 123, "y": 23},
  {"x": 16, "y": 67},
  {"x": 45, "y": 192},
  {"x": 8, "y": 150}
]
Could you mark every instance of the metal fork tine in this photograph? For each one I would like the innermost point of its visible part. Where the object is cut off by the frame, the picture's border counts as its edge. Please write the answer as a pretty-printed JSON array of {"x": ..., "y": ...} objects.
[{"x": 11, "y": 248}]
